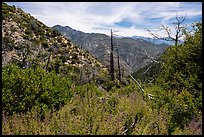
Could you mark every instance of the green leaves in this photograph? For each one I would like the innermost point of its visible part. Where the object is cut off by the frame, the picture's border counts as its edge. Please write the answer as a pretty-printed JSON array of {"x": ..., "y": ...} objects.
[
  {"x": 182, "y": 64},
  {"x": 22, "y": 89},
  {"x": 181, "y": 81}
]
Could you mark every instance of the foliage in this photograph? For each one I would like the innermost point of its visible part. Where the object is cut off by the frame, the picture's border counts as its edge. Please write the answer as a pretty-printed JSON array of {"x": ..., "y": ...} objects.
[
  {"x": 6, "y": 8},
  {"x": 177, "y": 86},
  {"x": 181, "y": 82},
  {"x": 92, "y": 111},
  {"x": 55, "y": 33},
  {"x": 25, "y": 36},
  {"x": 182, "y": 67},
  {"x": 23, "y": 89},
  {"x": 7, "y": 43},
  {"x": 148, "y": 73},
  {"x": 45, "y": 44}
]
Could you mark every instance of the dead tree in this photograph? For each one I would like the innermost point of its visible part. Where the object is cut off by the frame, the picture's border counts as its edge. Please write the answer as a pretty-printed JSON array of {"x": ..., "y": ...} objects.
[
  {"x": 178, "y": 31},
  {"x": 119, "y": 73},
  {"x": 48, "y": 61},
  {"x": 111, "y": 59},
  {"x": 24, "y": 56}
]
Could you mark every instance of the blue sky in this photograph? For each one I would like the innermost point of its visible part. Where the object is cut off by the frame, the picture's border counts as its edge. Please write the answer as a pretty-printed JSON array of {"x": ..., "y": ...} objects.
[{"x": 128, "y": 18}]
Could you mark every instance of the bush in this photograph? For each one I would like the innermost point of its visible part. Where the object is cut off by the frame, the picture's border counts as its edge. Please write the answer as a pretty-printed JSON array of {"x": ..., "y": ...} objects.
[
  {"x": 45, "y": 44},
  {"x": 182, "y": 67},
  {"x": 7, "y": 43},
  {"x": 27, "y": 37},
  {"x": 28, "y": 31},
  {"x": 24, "y": 89},
  {"x": 55, "y": 33}
]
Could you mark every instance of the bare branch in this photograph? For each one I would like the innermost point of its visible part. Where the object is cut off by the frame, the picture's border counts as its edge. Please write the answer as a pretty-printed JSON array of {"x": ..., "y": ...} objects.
[
  {"x": 137, "y": 83},
  {"x": 154, "y": 35},
  {"x": 180, "y": 21},
  {"x": 147, "y": 69},
  {"x": 168, "y": 31},
  {"x": 149, "y": 57},
  {"x": 178, "y": 31},
  {"x": 158, "y": 36},
  {"x": 17, "y": 59}
]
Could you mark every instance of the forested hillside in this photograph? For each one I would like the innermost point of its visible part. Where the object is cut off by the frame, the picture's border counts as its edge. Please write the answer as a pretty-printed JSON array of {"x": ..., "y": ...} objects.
[{"x": 51, "y": 87}]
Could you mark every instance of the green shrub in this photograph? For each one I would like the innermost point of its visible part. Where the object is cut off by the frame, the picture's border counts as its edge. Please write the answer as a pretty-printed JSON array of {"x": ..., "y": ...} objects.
[
  {"x": 45, "y": 44},
  {"x": 28, "y": 31},
  {"x": 8, "y": 43},
  {"x": 27, "y": 37},
  {"x": 24, "y": 89},
  {"x": 64, "y": 44},
  {"x": 55, "y": 33}
]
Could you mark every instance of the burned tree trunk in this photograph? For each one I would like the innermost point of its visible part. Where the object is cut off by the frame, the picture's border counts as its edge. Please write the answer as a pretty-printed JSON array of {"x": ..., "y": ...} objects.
[
  {"x": 119, "y": 73},
  {"x": 111, "y": 59}
]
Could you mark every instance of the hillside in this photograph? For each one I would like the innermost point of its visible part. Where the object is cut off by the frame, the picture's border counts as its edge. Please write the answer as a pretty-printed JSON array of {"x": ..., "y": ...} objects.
[
  {"x": 132, "y": 52},
  {"x": 29, "y": 42}
]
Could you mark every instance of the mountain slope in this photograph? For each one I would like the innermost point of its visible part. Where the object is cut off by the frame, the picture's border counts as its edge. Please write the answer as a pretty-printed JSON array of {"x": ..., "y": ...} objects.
[
  {"x": 133, "y": 53},
  {"x": 31, "y": 43}
]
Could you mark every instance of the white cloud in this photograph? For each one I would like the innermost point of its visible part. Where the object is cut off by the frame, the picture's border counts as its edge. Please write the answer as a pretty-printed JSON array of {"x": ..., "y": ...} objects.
[{"x": 101, "y": 16}]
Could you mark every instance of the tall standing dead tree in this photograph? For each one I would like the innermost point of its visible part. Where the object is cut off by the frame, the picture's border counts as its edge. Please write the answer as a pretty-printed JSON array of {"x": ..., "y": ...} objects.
[
  {"x": 119, "y": 72},
  {"x": 111, "y": 59}
]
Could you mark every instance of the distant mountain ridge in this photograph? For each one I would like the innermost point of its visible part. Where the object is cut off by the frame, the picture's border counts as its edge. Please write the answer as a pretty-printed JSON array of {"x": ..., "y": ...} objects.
[
  {"x": 132, "y": 51},
  {"x": 154, "y": 40}
]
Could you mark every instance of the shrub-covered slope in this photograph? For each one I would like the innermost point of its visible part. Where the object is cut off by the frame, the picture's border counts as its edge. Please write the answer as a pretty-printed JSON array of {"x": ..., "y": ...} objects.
[{"x": 30, "y": 42}]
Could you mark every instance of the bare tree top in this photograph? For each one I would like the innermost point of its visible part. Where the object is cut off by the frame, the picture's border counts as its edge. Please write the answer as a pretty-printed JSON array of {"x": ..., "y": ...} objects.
[{"x": 172, "y": 36}]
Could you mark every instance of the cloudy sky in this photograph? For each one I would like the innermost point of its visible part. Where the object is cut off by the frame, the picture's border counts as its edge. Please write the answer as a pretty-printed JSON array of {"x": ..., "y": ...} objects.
[{"x": 128, "y": 18}]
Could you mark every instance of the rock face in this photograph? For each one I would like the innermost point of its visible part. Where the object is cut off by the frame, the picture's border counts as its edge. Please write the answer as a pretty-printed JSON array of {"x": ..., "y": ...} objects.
[
  {"x": 27, "y": 40},
  {"x": 133, "y": 52}
]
